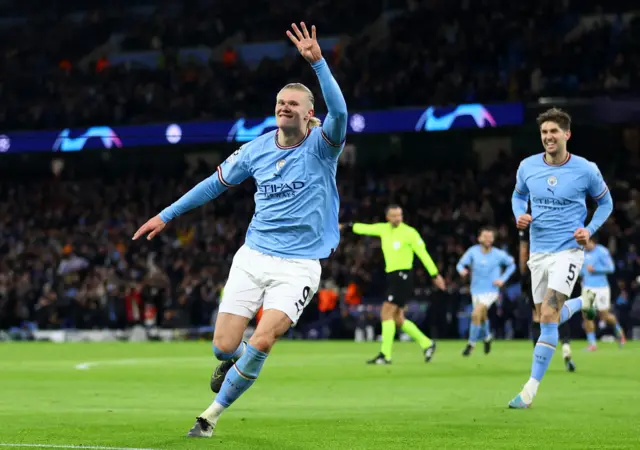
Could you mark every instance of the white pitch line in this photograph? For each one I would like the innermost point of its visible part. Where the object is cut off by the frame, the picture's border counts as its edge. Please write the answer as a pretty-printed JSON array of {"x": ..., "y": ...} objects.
[{"x": 86, "y": 447}]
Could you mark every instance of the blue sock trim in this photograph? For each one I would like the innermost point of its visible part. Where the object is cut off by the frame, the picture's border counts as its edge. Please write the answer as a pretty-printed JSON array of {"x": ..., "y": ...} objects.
[
  {"x": 241, "y": 376},
  {"x": 569, "y": 308},
  {"x": 251, "y": 362},
  {"x": 224, "y": 356}
]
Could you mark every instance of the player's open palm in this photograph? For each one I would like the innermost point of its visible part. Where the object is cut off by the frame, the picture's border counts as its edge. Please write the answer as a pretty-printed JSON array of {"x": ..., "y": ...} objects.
[
  {"x": 153, "y": 226},
  {"x": 306, "y": 43},
  {"x": 523, "y": 221}
]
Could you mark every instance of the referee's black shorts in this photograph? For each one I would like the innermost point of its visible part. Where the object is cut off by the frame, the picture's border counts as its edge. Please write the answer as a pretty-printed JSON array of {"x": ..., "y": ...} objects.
[{"x": 399, "y": 287}]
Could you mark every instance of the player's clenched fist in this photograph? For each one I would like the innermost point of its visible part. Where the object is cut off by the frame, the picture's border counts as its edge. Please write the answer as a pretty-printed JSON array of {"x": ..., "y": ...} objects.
[
  {"x": 582, "y": 236},
  {"x": 153, "y": 226},
  {"x": 523, "y": 221}
]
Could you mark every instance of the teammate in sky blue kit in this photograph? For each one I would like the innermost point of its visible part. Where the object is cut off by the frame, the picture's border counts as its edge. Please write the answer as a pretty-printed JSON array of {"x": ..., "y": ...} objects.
[
  {"x": 597, "y": 265},
  {"x": 487, "y": 277},
  {"x": 557, "y": 184},
  {"x": 294, "y": 225}
]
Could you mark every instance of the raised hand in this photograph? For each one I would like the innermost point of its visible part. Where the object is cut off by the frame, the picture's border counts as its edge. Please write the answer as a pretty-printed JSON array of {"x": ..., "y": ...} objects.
[
  {"x": 307, "y": 44},
  {"x": 153, "y": 226}
]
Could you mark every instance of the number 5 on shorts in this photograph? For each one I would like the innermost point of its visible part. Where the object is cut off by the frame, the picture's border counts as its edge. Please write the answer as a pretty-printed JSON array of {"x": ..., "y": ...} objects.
[{"x": 572, "y": 273}]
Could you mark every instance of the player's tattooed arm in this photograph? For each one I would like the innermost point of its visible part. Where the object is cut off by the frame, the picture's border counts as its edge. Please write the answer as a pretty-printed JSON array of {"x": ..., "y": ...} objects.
[{"x": 555, "y": 299}]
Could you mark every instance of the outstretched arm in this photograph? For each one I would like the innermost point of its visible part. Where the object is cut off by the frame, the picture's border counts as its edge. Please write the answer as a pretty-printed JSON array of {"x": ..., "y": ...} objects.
[
  {"x": 234, "y": 170},
  {"x": 334, "y": 129},
  {"x": 368, "y": 229},
  {"x": 200, "y": 194}
]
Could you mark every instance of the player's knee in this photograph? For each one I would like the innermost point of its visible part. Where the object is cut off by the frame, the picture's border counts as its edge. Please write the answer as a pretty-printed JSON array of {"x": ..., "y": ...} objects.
[
  {"x": 263, "y": 340},
  {"x": 223, "y": 348},
  {"x": 549, "y": 315},
  {"x": 477, "y": 314},
  {"x": 388, "y": 311}
]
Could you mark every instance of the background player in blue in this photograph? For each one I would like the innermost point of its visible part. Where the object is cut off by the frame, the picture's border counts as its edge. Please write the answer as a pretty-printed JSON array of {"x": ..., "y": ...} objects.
[
  {"x": 557, "y": 184},
  {"x": 597, "y": 265},
  {"x": 487, "y": 277},
  {"x": 295, "y": 224}
]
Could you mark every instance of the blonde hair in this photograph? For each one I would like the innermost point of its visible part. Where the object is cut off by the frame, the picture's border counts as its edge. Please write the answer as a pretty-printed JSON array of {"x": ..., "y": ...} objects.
[{"x": 313, "y": 121}]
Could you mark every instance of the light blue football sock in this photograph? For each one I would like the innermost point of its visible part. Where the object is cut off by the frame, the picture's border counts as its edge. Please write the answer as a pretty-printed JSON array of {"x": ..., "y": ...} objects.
[
  {"x": 618, "y": 330},
  {"x": 487, "y": 329},
  {"x": 591, "y": 338},
  {"x": 224, "y": 356},
  {"x": 569, "y": 308},
  {"x": 474, "y": 332},
  {"x": 544, "y": 350},
  {"x": 241, "y": 376}
]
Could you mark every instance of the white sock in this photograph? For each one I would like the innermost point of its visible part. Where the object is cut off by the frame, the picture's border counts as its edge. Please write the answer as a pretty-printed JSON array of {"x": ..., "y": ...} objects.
[
  {"x": 566, "y": 350},
  {"x": 212, "y": 413},
  {"x": 530, "y": 390}
]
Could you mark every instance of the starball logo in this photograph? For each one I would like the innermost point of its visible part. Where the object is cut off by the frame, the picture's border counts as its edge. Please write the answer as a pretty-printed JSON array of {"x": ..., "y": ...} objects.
[
  {"x": 240, "y": 133},
  {"x": 64, "y": 143},
  {"x": 429, "y": 122}
]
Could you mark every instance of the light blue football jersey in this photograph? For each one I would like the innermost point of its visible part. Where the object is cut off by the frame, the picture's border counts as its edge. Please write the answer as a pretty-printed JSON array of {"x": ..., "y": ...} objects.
[
  {"x": 486, "y": 268},
  {"x": 558, "y": 199},
  {"x": 297, "y": 202},
  {"x": 600, "y": 258}
]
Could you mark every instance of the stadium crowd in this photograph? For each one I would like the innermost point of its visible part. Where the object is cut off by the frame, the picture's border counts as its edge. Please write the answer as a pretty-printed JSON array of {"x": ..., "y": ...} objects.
[
  {"x": 434, "y": 52},
  {"x": 67, "y": 259}
]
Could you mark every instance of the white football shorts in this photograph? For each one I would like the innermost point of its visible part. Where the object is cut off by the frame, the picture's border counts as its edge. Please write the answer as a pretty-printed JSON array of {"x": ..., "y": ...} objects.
[
  {"x": 257, "y": 279},
  {"x": 558, "y": 271},
  {"x": 487, "y": 299}
]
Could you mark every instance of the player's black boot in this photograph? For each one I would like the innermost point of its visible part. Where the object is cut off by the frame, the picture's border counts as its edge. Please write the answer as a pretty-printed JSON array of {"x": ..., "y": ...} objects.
[
  {"x": 487, "y": 345},
  {"x": 467, "y": 350},
  {"x": 429, "y": 351},
  {"x": 217, "y": 377},
  {"x": 569, "y": 364},
  {"x": 380, "y": 359}
]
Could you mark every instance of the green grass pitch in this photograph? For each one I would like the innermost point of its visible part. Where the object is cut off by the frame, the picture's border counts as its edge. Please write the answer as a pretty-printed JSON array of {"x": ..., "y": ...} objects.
[{"x": 317, "y": 395}]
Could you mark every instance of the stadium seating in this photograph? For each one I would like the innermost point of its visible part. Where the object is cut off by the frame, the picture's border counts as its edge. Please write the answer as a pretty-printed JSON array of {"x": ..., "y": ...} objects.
[
  {"x": 67, "y": 258},
  {"x": 422, "y": 54}
]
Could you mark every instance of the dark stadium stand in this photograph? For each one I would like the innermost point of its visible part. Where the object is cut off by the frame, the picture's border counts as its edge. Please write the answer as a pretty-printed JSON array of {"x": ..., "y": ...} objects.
[{"x": 419, "y": 54}]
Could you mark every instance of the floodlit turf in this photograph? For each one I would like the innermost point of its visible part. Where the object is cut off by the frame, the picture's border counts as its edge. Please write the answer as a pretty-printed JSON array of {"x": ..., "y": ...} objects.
[{"x": 317, "y": 395}]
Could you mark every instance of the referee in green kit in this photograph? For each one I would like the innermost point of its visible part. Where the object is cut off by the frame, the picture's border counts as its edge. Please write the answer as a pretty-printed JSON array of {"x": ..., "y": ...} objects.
[{"x": 399, "y": 243}]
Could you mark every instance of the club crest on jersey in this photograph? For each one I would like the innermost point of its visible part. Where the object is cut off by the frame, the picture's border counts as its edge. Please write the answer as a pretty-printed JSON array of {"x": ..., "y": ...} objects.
[
  {"x": 552, "y": 181},
  {"x": 280, "y": 165}
]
